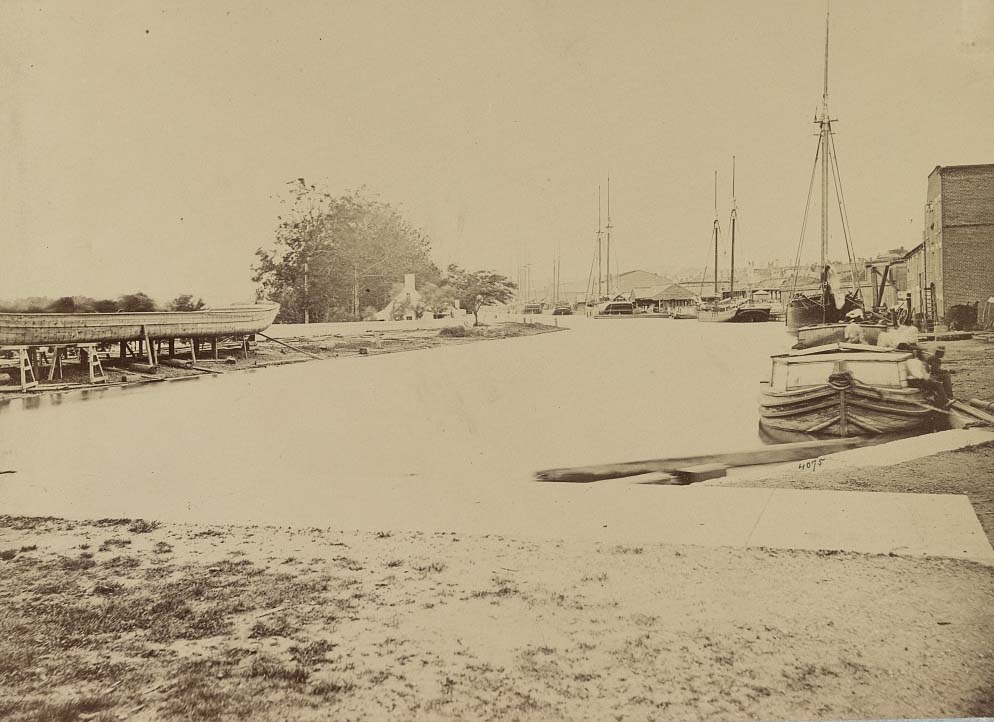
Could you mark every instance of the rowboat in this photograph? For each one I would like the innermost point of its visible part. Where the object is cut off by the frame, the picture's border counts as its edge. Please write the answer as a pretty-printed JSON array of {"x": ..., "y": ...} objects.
[
  {"x": 843, "y": 390},
  {"x": 40, "y": 329}
]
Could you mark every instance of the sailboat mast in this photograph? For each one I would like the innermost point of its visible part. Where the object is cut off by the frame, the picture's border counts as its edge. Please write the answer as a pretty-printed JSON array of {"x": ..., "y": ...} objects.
[
  {"x": 600, "y": 271},
  {"x": 608, "y": 228},
  {"x": 734, "y": 216},
  {"x": 825, "y": 124},
  {"x": 716, "y": 236}
]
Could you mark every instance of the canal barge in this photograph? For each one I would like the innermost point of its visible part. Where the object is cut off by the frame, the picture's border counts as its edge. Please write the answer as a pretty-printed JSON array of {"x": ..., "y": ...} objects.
[{"x": 843, "y": 390}]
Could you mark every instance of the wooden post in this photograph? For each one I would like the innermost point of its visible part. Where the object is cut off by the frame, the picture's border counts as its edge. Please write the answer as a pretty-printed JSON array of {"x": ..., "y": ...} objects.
[
  {"x": 214, "y": 346},
  {"x": 193, "y": 349},
  {"x": 124, "y": 345},
  {"x": 172, "y": 347},
  {"x": 150, "y": 352}
]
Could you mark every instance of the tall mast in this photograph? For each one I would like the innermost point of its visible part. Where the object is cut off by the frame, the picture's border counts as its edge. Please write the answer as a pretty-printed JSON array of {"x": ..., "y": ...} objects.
[
  {"x": 734, "y": 216},
  {"x": 600, "y": 271},
  {"x": 716, "y": 236},
  {"x": 825, "y": 130},
  {"x": 608, "y": 227}
]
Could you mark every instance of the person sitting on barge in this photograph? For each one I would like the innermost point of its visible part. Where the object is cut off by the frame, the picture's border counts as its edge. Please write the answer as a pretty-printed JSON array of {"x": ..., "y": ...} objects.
[{"x": 920, "y": 377}]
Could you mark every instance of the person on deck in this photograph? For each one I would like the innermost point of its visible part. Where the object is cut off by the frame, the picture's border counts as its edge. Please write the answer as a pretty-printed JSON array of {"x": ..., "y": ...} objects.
[
  {"x": 854, "y": 332},
  {"x": 920, "y": 378},
  {"x": 934, "y": 363}
]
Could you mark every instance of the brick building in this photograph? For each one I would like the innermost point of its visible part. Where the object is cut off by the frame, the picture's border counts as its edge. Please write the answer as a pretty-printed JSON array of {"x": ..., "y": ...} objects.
[{"x": 954, "y": 265}]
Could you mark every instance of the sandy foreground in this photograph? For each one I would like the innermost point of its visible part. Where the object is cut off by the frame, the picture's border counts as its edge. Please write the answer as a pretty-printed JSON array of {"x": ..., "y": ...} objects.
[{"x": 129, "y": 619}]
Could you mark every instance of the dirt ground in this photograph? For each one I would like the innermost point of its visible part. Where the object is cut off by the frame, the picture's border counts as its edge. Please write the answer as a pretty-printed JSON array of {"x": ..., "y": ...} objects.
[
  {"x": 122, "y": 619},
  {"x": 263, "y": 353}
]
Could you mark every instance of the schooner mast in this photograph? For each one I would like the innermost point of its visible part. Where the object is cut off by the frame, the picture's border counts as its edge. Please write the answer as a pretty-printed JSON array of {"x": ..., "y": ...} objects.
[
  {"x": 608, "y": 228},
  {"x": 830, "y": 306}
]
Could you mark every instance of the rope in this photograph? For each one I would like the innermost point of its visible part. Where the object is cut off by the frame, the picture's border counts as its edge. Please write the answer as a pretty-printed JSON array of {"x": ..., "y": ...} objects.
[
  {"x": 840, "y": 380},
  {"x": 844, "y": 213},
  {"x": 804, "y": 223}
]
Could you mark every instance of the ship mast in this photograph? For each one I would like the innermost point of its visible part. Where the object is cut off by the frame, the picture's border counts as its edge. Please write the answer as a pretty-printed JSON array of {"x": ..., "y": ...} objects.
[
  {"x": 731, "y": 291},
  {"x": 825, "y": 132},
  {"x": 600, "y": 233},
  {"x": 608, "y": 227},
  {"x": 716, "y": 296}
]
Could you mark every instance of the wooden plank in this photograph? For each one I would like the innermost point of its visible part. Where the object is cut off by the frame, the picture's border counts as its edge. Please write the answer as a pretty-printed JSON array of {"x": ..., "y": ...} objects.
[
  {"x": 292, "y": 348},
  {"x": 766, "y": 455},
  {"x": 968, "y": 410},
  {"x": 701, "y": 472}
]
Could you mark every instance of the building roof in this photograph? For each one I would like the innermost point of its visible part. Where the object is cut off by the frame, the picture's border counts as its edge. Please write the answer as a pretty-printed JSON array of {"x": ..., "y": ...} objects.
[{"x": 941, "y": 168}]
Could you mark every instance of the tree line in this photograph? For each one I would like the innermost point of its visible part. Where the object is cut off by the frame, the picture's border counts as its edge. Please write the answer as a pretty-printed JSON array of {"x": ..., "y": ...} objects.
[
  {"x": 342, "y": 258},
  {"x": 138, "y": 301}
]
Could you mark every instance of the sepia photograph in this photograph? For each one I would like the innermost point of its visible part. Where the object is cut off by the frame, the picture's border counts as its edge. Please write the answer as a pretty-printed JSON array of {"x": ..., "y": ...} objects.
[{"x": 525, "y": 361}]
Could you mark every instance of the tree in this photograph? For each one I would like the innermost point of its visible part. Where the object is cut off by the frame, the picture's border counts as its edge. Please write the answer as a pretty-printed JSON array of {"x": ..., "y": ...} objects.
[
  {"x": 135, "y": 302},
  {"x": 186, "y": 302},
  {"x": 478, "y": 289},
  {"x": 438, "y": 299},
  {"x": 335, "y": 256}
]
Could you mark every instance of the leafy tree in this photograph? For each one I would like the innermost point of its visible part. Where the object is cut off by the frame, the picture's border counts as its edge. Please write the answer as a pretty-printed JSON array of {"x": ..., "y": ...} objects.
[
  {"x": 135, "y": 302},
  {"x": 186, "y": 302},
  {"x": 346, "y": 246},
  {"x": 477, "y": 289},
  {"x": 438, "y": 299},
  {"x": 105, "y": 305},
  {"x": 66, "y": 304}
]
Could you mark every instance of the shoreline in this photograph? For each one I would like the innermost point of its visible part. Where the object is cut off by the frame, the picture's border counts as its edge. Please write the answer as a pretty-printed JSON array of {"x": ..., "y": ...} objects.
[{"x": 266, "y": 354}]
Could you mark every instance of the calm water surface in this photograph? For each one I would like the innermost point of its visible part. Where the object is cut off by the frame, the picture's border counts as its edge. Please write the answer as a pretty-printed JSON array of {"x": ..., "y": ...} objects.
[{"x": 365, "y": 440}]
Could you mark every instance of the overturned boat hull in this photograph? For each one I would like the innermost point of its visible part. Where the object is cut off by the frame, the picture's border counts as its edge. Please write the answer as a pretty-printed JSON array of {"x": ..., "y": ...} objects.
[{"x": 41, "y": 329}]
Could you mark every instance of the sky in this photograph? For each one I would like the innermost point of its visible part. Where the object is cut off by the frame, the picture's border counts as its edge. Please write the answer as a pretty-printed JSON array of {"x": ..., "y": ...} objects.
[{"x": 145, "y": 146}]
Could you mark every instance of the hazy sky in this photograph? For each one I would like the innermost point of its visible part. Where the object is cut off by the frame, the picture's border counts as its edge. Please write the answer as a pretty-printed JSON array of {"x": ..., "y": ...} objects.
[{"x": 144, "y": 144}]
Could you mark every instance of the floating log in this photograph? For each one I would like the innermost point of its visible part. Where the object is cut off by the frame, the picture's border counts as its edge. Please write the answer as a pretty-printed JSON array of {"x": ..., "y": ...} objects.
[
  {"x": 292, "y": 348},
  {"x": 177, "y": 363},
  {"x": 766, "y": 455},
  {"x": 143, "y": 368}
]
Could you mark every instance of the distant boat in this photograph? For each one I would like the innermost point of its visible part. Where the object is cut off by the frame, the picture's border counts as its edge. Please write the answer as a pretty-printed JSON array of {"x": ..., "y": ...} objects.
[
  {"x": 728, "y": 308},
  {"x": 42, "y": 329},
  {"x": 843, "y": 390},
  {"x": 615, "y": 308}
]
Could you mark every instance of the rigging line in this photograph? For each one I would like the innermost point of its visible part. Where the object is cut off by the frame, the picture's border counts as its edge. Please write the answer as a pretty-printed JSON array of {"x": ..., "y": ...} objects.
[
  {"x": 707, "y": 263},
  {"x": 590, "y": 276},
  {"x": 804, "y": 222},
  {"x": 844, "y": 211}
]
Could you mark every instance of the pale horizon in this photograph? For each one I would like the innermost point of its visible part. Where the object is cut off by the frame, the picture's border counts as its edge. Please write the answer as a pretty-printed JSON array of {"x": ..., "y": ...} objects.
[{"x": 146, "y": 144}]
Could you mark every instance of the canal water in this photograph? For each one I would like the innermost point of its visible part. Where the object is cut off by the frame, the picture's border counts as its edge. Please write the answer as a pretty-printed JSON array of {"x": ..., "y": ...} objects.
[{"x": 363, "y": 441}]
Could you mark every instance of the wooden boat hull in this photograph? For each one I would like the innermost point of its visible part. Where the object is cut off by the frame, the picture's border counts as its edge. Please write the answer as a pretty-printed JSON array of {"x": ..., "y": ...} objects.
[
  {"x": 808, "y": 311},
  {"x": 852, "y": 410},
  {"x": 825, "y": 333},
  {"x": 736, "y": 314},
  {"x": 41, "y": 329}
]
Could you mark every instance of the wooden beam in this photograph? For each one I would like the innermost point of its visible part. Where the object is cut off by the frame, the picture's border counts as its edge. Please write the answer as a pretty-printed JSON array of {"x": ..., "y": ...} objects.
[
  {"x": 767, "y": 455},
  {"x": 292, "y": 348}
]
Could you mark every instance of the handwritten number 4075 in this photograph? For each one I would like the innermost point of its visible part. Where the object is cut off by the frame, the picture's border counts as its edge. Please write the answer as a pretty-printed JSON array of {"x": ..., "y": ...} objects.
[{"x": 811, "y": 464}]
